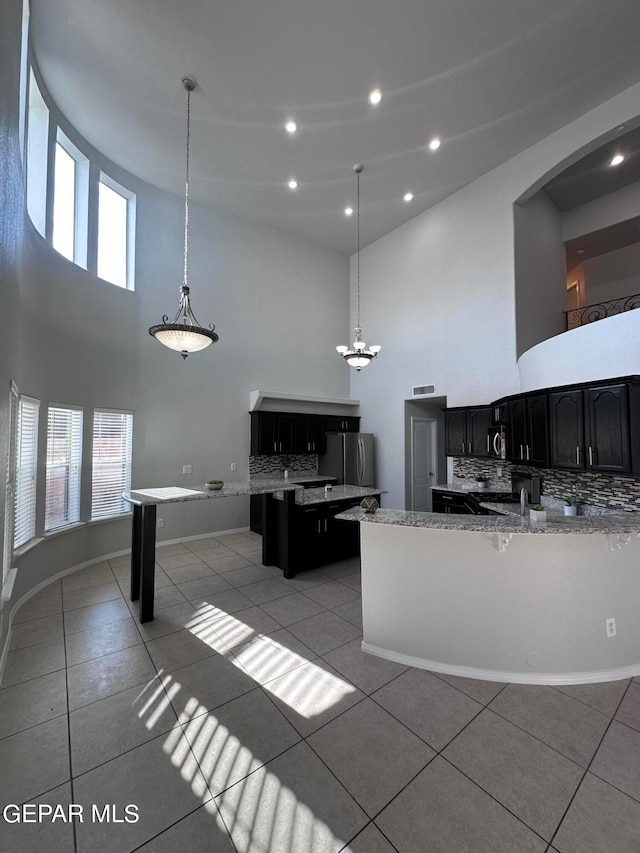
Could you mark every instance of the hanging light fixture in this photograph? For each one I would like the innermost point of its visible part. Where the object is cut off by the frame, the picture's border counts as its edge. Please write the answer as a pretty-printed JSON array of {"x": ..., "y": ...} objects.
[
  {"x": 184, "y": 334},
  {"x": 358, "y": 356}
]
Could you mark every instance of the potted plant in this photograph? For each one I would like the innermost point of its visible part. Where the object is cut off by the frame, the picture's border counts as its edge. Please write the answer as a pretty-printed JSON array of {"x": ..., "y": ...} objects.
[
  {"x": 537, "y": 512},
  {"x": 481, "y": 482},
  {"x": 570, "y": 504},
  {"x": 213, "y": 485}
]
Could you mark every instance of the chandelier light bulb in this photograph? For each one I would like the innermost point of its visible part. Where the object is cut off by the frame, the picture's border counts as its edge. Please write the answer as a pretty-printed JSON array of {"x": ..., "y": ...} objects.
[
  {"x": 435, "y": 144},
  {"x": 375, "y": 96},
  {"x": 291, "y": 126}
]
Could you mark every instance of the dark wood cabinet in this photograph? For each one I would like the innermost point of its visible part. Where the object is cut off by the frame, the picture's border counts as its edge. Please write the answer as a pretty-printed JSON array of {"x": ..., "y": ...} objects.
[
  {"x": 591, "y": 429},
  {"x": 467, "y": 431},
  {"x": 292, "y": 432},
  {"x": 607, "y": 438},
  {"x": 451, "y": 503},
  {"x": 528, "y": 429},
  {"x": 341, "y": 423},
  {"x": 566, "y": 422},
  {"x": 309, "y": 434},
  {"x": 298, "y": 537}
]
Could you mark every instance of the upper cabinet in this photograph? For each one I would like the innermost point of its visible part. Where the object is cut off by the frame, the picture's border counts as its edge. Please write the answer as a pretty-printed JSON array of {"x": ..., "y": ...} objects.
[
  {"x": 341, "y": 423},
  {"x": 596, "y": 428},
  {"x": 528, "y": 429},
  {"x": 467, "y": 431},
  {"x": 289, "y": 432}
]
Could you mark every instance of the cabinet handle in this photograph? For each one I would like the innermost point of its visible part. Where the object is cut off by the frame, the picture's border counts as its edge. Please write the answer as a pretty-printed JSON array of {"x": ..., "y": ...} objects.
[
  {"x": 521, "y": 452},
  {"x": 469, "y": 446},
  {"x": 590, "y": 456},
  {"x": 487, "y": 442},
  {"x": 577, "y": 455},
  {"x": 527, "y": 451}
]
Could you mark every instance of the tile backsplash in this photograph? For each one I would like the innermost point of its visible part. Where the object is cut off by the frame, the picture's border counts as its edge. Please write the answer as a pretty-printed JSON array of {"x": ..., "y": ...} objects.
[
  {"x": 621, "y": 493},
  {"x": 260, "y": 466}
]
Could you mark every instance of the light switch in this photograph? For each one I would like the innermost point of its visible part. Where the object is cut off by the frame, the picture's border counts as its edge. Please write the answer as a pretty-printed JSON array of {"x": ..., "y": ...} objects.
[{"x": 186, "y": 469}]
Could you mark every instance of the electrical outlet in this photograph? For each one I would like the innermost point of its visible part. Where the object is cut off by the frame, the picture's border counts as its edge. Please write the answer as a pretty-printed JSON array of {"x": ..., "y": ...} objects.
[
  {"x": 161, "y": 522},
  {"x": 499, "y": 470},
  {"x": 234, "y": 467},
  {"x": 610, "y": 627},
  {"x": 186, "y": 469}
]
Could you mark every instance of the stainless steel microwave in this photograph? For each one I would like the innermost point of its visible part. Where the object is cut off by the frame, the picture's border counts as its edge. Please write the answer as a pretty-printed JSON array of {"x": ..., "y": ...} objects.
[{"x": 497, "y": 442}]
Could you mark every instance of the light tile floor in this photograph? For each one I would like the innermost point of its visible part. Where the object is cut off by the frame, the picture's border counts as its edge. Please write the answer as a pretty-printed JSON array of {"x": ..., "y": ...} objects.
[{"x": 245, "y": 717}]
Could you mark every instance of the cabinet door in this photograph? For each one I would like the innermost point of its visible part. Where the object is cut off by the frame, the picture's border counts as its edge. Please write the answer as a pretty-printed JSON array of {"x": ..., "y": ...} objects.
[
  {"x": 518, "y": 429},
  {"x": 607, "y": 430},
  {"x": 286, "y": 433},
  {"x": 478, "y": 424},
  {"x": 566, "y": 430},
  {"x": 309, "y": 431},
  {"x": 309, "y": 540},
  {"x": 537, "y": 445},
  {"x": 264, "y": 428},
  {"x": 455, "y": 425}
]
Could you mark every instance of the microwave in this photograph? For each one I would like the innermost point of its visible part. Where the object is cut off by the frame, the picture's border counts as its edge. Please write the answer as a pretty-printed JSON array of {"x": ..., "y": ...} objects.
[{"x": 497, "y": 442}]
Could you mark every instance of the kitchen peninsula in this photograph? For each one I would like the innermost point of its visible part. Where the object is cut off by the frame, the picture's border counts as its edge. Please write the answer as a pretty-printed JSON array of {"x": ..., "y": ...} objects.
[
  {"x": 282, "y": 540},
  {"x": 502, "y": 598}
]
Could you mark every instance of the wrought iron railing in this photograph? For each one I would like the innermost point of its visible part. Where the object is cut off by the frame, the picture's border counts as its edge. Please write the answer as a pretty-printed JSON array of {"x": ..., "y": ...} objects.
[{"x": 599, "y": 310}]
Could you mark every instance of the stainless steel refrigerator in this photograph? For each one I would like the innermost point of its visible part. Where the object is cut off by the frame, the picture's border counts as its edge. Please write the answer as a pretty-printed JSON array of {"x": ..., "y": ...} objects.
[{"x": 349, "y": 457}]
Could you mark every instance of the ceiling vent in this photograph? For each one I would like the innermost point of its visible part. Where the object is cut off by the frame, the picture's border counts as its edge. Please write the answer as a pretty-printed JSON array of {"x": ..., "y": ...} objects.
[{"x": 423, "y": 390}]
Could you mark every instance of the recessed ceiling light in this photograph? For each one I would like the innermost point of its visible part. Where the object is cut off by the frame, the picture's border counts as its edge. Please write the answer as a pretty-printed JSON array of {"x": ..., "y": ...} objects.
[
  {"x": 615, "y": 161},
  {"x": 292, "y": 184},
  {"x": 408, "y": 197},
  {"x": 348, "y": 211},
  {"x": 375, "y": 96},
  {"x": 291, "y": 126},
  {"x": 435, "y": 143}
]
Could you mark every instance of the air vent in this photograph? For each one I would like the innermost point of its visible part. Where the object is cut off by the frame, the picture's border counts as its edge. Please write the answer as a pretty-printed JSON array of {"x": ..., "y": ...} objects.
[{"x": 423, "y": 390}]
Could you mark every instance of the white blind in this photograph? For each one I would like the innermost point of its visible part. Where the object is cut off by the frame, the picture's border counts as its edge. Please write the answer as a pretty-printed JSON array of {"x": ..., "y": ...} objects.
[
  {"x": 111, "y": 464},
  {"x": 26, "y": 468},
  {"x": 10, "y": 495},
  {"x": 64, "y": 464}
]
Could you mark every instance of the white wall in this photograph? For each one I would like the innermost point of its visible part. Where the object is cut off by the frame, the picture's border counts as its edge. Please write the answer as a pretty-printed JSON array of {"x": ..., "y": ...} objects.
[
  {"x": 439, "y": 294},
  {"x": 278, "y": 303},
  {"x": 613, "y": 275}
]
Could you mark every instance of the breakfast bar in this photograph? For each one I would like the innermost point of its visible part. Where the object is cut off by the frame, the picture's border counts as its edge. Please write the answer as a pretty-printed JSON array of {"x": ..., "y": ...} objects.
[{"x": 502, "y": 598}]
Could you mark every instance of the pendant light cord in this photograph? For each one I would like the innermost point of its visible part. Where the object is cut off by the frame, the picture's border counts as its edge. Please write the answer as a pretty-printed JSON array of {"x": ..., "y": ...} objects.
[
  {"x": 358, "y": 240},
  {"x": 186, "y": 194}
]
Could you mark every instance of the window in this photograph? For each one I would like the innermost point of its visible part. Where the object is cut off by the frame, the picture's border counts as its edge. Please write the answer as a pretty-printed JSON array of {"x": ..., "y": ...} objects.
[
  {"x": 111, "y": 464},
  {"x": 70, "y": 201},
  {"x": 37, "y": 155},
  {"x": 116, "y": 227},
  {"x": 26, "y": 469},
  {"x": 64, "y": 463}
]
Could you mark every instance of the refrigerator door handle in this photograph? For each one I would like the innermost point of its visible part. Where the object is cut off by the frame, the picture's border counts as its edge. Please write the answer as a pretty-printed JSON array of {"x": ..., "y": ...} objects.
[{"x": 361, "y": 461}]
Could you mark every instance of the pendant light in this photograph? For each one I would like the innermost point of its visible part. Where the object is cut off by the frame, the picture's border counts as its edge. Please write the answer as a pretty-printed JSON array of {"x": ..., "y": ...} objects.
[
  {"x": 184, "y": 334},
  {"x": 358, "y": 356}
]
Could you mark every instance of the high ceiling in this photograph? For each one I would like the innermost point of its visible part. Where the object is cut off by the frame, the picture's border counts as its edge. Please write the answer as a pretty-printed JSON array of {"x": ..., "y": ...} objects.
[{"x": 489, "y": 77}]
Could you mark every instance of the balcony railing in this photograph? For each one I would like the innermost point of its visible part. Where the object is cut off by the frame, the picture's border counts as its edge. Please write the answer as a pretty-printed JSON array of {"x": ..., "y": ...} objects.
[{"x": 599, "y": 310}]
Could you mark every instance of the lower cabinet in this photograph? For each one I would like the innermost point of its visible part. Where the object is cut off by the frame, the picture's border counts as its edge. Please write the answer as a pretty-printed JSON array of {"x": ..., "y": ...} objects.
[
  {"x": 451, "y": 503},
  {"x": 300, "y": 537}
]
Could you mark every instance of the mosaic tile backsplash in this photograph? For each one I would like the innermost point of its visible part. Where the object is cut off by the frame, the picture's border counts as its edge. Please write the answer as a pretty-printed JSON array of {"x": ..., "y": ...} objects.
[
  {"x": 620, "y": 493},
  {"x": 303, "y": 463}
]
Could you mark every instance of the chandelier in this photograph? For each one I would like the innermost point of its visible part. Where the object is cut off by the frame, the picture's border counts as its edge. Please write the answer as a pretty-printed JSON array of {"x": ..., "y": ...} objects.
[
  {"x": 358, "y": 356},
  {"x": 184, "y": 334}
]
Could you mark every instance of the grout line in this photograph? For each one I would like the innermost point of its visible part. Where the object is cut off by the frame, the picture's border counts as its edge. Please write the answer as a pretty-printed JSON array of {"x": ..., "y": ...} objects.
[{"x": 66, "y": 682}]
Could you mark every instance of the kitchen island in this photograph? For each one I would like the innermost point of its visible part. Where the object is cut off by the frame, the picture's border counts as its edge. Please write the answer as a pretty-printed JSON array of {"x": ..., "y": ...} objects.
[
  {"x": 502, "y": 598},
  {"x": 301, "y": 532}
]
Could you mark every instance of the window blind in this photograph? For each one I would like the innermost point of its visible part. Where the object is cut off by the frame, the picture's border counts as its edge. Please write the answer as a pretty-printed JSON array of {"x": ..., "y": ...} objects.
[
  {"x": 64, "y": 465},
  {"x": 26, "y": 469},
  {"x": 111, "y": 462},
  {"x": 10, "y": 494}
]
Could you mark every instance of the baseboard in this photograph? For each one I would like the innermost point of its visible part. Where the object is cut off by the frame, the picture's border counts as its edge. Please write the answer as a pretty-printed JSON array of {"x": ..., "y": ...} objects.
[
  {"x": 85, "y": 565},
  {"x": 549, "y": 679}
]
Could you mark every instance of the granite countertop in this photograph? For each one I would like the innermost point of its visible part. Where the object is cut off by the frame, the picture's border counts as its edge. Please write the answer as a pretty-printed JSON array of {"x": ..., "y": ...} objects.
[
  {"x": 302, "y": 477},
  {"x": 177, "y": 494},
  {"x": 338, "y": 493},
  {"x": 463, "y": 487},
  {"x": 624, "y": 523}
]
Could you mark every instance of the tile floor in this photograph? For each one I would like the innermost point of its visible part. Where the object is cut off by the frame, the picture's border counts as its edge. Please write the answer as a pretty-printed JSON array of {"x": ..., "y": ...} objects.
[{"x": 245, "y": 717}]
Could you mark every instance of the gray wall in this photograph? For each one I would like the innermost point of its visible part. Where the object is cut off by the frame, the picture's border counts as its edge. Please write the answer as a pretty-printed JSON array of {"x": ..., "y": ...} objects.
[
  {"x": 613, "y": 275},
  {"x": 540, "y": 272},
  {"x": 279, "y": 303}
]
